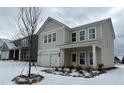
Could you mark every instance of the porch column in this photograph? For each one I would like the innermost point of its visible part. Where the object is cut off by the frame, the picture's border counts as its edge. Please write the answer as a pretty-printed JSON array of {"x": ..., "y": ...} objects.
[
  {"x": 19, "y": 54},
  {"x": 94, "y": 55},
  {"x": 61, "y": 57}
]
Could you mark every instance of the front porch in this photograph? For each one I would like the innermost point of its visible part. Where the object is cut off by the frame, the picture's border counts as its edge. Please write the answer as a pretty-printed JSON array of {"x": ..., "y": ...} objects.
[
  {"x": 22, "y": 54},
  {"x": 82, "y": 56}
]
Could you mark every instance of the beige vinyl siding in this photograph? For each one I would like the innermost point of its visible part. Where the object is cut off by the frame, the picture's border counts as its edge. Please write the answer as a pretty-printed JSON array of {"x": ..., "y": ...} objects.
[
  {"x": 51, "y": 26},
  {"x": 97, "y": 29},
  {"x": 60, "y": 34},
  {"x": 107, "y": 45},
  {"x": 51, "y": 45},
  {"x": 67, "y": 37}
]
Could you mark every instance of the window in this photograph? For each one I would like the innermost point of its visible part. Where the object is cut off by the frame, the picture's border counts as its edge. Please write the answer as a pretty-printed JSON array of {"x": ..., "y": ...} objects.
[
  {"x": 24, "y": 42},
  {"x": 91, "y": 58},
  {"x": 54, "y": 37},
  {"x": 92, "y": 33},
  {"x": 74, "y": 37},
  {"x": 73, "y": 57},
  {"x": 49, "y": 37},
  {"x": 82, "y": 35},
  {"x": 82, "y": 58},
  {"x": 45, "y": 39}
]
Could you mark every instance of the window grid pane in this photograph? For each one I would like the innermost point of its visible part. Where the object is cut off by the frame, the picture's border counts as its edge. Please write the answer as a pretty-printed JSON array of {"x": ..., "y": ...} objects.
[
  {"x": 82, "y": 35},
  {"x": 45, "y": 39},
  {"x": 54, "y": 37},
  {"x": 92, "y": 33},
  {"x": 82, "y": 58},
  {"x": 74, "y": 37},
  {"x": 49, "y": 38}
]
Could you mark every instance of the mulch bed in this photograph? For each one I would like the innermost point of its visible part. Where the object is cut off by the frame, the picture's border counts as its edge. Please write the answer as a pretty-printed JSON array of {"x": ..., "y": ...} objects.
[
  {"x": 25, "y": 79},
  {"x": 74, "y": 73}
]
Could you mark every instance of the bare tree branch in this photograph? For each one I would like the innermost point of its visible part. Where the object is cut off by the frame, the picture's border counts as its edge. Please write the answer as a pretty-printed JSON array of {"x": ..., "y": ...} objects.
[{"x": 28, "y": 22}]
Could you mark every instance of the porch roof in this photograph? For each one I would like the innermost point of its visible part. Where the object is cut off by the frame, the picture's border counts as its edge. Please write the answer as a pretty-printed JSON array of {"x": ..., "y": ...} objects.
[{"x": 80, "y": 44}]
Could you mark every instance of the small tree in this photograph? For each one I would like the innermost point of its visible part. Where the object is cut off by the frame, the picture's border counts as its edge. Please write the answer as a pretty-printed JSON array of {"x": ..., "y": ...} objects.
[
  {"x": 123, "y": 60},
  {"x": 28, "y": 20}
]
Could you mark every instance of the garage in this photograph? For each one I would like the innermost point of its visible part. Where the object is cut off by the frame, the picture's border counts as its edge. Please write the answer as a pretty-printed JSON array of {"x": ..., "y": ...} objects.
[
  {"x": 51, "y": 60},
  {"x": 5, "y": 55}
]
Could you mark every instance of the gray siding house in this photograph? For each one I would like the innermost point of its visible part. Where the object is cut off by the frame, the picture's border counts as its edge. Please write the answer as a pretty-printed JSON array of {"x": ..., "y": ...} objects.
[
  {"x": 85, "y": 45},
  {"x": 19, "y": 49}
]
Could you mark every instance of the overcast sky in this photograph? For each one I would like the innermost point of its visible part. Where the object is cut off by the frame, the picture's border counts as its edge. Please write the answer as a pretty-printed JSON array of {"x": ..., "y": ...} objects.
[{"x": 71, "y": 17}]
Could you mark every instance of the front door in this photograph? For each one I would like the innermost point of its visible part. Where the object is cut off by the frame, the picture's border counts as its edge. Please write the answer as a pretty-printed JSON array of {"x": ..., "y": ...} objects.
[{"x": 90, "y": 58}]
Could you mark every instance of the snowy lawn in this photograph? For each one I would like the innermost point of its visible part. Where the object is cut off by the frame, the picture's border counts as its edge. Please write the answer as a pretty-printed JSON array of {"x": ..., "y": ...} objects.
[{"x": 10, "y": 69}]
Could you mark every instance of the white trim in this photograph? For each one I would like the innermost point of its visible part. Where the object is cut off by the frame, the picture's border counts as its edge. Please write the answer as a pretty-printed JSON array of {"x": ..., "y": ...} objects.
[
  {"x": 71, "y": 36},
  {"x": 95, "y": 33},
  {"x": 49, "y": 50},
  {"x": 101, "y": 32},
  {"x": 84, "y": 35},
  {"x": 54, "y": 30},
  {"x": 85, "y": 57},
  {"x": 94, "y": 55}
]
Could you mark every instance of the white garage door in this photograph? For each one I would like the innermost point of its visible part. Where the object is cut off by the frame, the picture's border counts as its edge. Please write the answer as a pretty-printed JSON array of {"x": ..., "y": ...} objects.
[
  {"x": 44, "y": 59},
  {"x": 49, "y": 60},
  {"x": 54, "y": 60}
]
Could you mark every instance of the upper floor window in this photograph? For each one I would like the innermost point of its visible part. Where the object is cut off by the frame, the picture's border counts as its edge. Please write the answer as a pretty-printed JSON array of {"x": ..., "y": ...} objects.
[
  {"x": 74, "y": 37},
  {"x": 92, "y": 33},
  {"x": 54, "y": 37},
  {"x": 45, "y": 39},
  {"x": 49, "y": 37},
  {"x": 82, "y": 35},
  {"x": 24, "y": 42}
]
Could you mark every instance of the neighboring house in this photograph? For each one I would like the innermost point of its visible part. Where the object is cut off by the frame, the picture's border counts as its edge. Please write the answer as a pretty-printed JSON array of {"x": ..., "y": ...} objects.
[
  {"x": 1, "y": 43},
  {"x": 19, "y": 49},
  {"x": 117, "y": 60},
  {"x": 6, "y": 50},
  {"x": 86, "y": 45}
]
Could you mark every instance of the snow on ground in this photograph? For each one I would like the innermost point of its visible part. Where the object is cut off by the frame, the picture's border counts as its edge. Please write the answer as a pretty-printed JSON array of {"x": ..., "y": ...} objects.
[{"x": 10, "y": 69}]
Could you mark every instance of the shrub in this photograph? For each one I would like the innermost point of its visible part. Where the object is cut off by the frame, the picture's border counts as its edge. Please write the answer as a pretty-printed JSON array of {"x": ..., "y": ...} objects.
[
  {"x": 70, "y": 67},
  {"x": 100, "y": 67},
  {"x": 81, "y": 72},
  {"x": 70, "y": 71},
  {"x": 78, "y": 68},
  {"x": 88, "y": 69},
  {"x": 56, "y": 69},
  {"x": 62, "y": 69}
]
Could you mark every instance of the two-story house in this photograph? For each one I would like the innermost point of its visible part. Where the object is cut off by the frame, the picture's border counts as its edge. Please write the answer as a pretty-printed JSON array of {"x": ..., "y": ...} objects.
[
  {"x": 86, "y": 45},
  {"x": 19, "y": 49}
]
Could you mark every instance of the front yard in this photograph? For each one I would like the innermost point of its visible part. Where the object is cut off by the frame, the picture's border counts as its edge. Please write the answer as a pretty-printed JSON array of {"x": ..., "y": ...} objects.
[{"x": 10, "y": 69}]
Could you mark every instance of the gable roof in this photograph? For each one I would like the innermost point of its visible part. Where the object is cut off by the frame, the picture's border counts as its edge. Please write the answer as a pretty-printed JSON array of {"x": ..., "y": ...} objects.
[
  {"x": 92, "y": 23},
  {"x": 52, "y": 19},
  {"x": 2, "y": 41},
  {"x": 8, "y": 46},
  {"x": 95, "y": 23}
]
